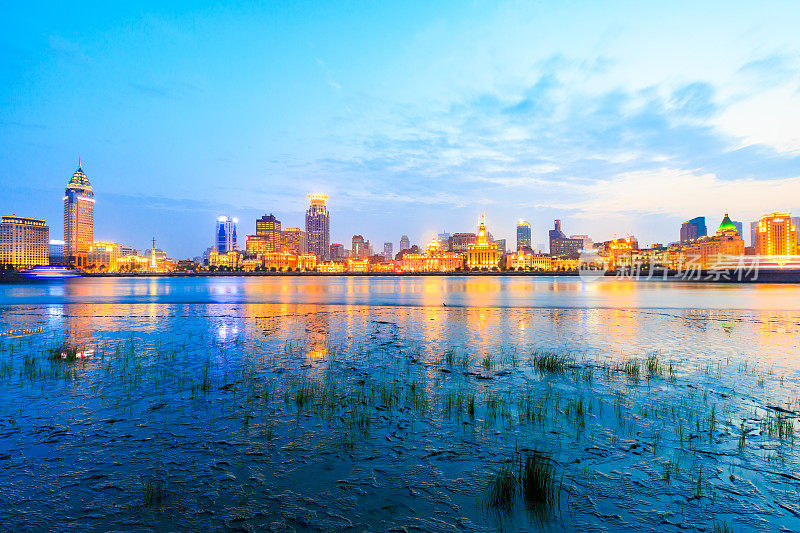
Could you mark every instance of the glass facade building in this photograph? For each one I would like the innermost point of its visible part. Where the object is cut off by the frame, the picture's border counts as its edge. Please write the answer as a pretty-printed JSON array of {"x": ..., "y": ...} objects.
[
  {"x": 225, "y": 234},
  {"x": 318, "y": 227},
  {"x": 78, "y": 219}
]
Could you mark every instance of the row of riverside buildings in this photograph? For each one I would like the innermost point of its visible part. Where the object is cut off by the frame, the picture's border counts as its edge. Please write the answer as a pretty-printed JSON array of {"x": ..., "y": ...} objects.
[{"x": 24, "y": 243}]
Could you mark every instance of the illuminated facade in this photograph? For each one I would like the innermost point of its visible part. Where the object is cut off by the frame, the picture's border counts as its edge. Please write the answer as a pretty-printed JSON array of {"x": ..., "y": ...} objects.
[
  {"x": 256, "y": 245},
  {"x": 225, "y": 234},
  {"x": 360, "y": 247},
  {"x": 405, "y": 243},
  {"x": 268, "y": 228},
  {"x": 293, "y": 240},
  {"x": 560, "y": 244},
  {"x": 78, "y": 219},
  {"x": 620, "y": 251},
  {"x": 776, "y": 234},
  {"x": 24, "y": 242},
  {"x": 433, "y": 260},
  {"x": 318, "y": 227},
  {"x": 286, "y": 260},
  {"x": 228, "y": 259},
  {"x": 330, "y": 267},
  {"x": 527, "y": 260},
  {"x": 482, "y": 253},
  {"x": 103, "y": 256},
  {"x": 133, "y": 263},
  {"x": 358, "y": 265},
  {"x": 458, "y": 242},
  {"x": 706, "y": 252},
  {"x": 523, "y": 235}
]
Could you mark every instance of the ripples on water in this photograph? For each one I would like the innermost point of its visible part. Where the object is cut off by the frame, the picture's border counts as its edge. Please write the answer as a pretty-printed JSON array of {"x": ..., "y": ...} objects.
[{"x": 325, "y": 416}]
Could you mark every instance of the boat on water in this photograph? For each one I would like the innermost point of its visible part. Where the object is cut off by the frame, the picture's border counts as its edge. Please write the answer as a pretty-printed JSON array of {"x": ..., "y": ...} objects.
[{"x": 49, "y": 272}]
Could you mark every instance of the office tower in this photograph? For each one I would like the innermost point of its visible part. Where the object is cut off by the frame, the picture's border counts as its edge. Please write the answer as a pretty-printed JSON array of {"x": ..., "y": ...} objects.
[
  {"x": 753, "y": 231},
  {"x": 443, "y": 238},
  {"x": 776, "y": 235},
  {"x": 523, "y": 235},
  {"x": 693, "y": 229},
  {"x": 587, "y": 242},
  {"x": 388, "y": 251},
  {"x": 268, "y": 228},
  {"x": 24, "y": 242},
  {"x": 225, "y": 235},
  {"x": 78, "y": 219},
  {"x": 318, "y": 227},
  {"x": 294, "y": 240},
  {"x": 501, "y": 247},
  {"x": 739, "y": 227},
  {"x": 560, "y": 244},
  {"x": 405, "y": 243},
  {"x": 359, "y": 248},
  {"x": 338, "y": 251},
  {"x": 458, "y": 242},
  {"x": 796, "y": 222},
  {"x": 56, "y": 252}
]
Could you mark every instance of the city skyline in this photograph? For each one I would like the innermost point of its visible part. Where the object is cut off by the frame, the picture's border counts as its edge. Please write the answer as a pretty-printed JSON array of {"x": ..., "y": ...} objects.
[{"x": 574, "y": 124}]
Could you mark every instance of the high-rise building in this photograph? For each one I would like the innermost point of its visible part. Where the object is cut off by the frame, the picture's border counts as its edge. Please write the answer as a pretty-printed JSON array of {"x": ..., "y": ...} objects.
[
  {"x": 776, "y": 235},
  {"x": 318, "y": 227},
  {"x": 693, "y": 229},
  {"x": 458, "y": 242},
  {"x": 56, "y": 252},
  {"x": 501, "y": 247},
  {"x": 405, "y": 243},
  {"x": 78, "y": 219},
  {"x": 753, "y": 231},
  {"x": 739, "y": 227},
  {"x": 523, "y": 235},
  {"x": 338, "y": 252},
  {"x": 587, "y": 242},
  {"x": 294, "y": 240},
  {"x": 796, "y": 222},
  {"x": 560, "y": 244},
  {"x": 269, "y": 229},
  {"x": 24, "y": 242},
  {"x": 443, "y": 238},
  {"x": 360, "y": 247},
  {"x": 388, "y": 251},
  {"x": 225, "y": 234}
]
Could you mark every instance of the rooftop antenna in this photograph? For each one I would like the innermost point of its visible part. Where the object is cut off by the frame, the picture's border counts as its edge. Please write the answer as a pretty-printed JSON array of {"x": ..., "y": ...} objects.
[{"x": 79, "y": 161}]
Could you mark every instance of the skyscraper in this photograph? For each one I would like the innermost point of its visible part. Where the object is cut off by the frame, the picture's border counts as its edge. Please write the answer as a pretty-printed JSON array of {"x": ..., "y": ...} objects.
[
  {"x": 693, "y": 229},
  {"x": 294, "y": 240},
  {"x": 388, "y": 251},
  {"x": 78, "y": 219},
  {"x": 225, "y": 234},
  {"x": 269, "y": 229},
  {"x": 318, "y": 227},
  {"x": 523, "y": 235},
  {"x": 405, "y": 243},
  {"x": 560, "y": 244},
  {"x": 360, "y": 248},
  {"x": 24, "y": 242}
]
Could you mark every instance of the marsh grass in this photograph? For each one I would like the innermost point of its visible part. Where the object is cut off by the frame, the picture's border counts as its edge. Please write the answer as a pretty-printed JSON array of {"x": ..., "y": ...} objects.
[
  {"x": 502, "y": 489},
  {"x": 158, "y": 490},
  {"x": 532, "y": 476},
  {"x": 549, "y": 362}
]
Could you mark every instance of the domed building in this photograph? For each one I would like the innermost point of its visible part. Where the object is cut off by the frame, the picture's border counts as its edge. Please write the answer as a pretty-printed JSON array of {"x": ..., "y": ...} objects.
[
  {"x": 78, "y": 219},
  {"x": 706, "y": 252}
]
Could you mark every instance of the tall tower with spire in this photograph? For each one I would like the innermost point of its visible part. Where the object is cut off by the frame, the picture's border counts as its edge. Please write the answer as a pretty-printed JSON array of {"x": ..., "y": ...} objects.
[{"x": 78, "y": 219}]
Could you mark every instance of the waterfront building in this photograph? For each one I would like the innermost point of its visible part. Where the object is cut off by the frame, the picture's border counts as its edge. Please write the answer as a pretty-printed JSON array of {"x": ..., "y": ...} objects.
[
  {"x": 405, "y": 243},
  {"x": 693, "y": 229},
  {"x": 358, "y": 265},
  {"x": 525, "y": 259},
  {"x": 458, "y": 242},
  {"x": 620, "y": 251},
  {"x": 225, "y": 234},
  {"x": 294, "y": 240},
  {"x": 587, "y": 242},
  {"x": 383, "y": 267},
  {"x": 331, "y": 267},
  {"x": 78, "y": 219},
  {"x": 286, "y": 260},
  {"x": 501, "y": 247},
  {"x": 133, "y": 263},
  {"x": 269, "y": 229},
  {"x": 560, "y": 244},
  {"x": 776, "y": 234},
  {"x": 125, "y": 249},
  {"x": 56, "y": 252},
  {"x": 434, "y": 259},
  {"x": 523, "y": 235},
  {"x": 482, "y": 254},
  {"x": 318, "y": 229},
  {"x": 388, "y": 252},
  {"x": 24, "y": 242},
  {"x": 708, "y": 251},
  {"x": 338, "y": 252},
  {"x": 228, "y": 260},
  {"x": 360, "y": 248},
  {"x": 103, "y": 256},
  {"x": 256, "y": 245}
]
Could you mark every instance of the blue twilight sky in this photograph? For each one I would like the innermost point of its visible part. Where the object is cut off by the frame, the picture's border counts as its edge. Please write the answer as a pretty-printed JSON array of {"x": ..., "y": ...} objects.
[{"x": 415, "y": 117}]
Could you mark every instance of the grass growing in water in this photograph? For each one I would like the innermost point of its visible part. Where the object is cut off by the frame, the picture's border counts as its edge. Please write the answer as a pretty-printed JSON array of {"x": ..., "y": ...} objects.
[
  {"x": 549, "y": 363},
  {"x": 532, "y": 476}
]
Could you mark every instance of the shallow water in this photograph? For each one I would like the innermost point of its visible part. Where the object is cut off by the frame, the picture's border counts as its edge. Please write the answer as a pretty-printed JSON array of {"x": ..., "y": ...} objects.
[{"x": 343, "y": 403}]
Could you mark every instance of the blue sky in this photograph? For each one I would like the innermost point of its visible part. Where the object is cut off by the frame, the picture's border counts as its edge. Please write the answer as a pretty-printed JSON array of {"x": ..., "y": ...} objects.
[{"x": 414, "y": 117}]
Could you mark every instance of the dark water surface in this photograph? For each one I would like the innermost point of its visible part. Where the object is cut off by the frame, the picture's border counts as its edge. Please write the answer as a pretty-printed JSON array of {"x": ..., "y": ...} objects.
[{"x": 352, "y": 404}]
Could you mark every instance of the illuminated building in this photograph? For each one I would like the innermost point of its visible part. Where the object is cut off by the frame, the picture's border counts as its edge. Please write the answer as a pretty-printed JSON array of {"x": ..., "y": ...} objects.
[
  {"x": 124, "y": 250},
  {"x": 330, "y": 267},
  {"x": 620, "y": 251},
  {"x": 133, "y": 263},
  {"x": 587, "y": 242},
  {"x": 560, "y": 244},
  {"x": 225, "y": 234},
  {"x": 228, "y": 260},
  {"x": 360, "y": 247},
  {"x": 433, "y": 260},
  {"x": 269, "y": 229},
  {"x": 24, "y": 242},
  {"x": 358, "y": 265},
  {"x": 256, "y": 245},
  {"x": 776, "y": 234},
  {"x": 405, "y": 243},
  {"x": 523, "y": 235},
  {"x": 56, "y": 250},
  {"x": 501, "y": 247},
  {"x": 525, "y": 259},
  {"x": 78, "y": 219},
  {"x": 443, "y": 238},
  {"x": 482, "y": 253},
  {"x": 706, "y": 252},
  {"x": 693, "y": 229},
  {"x": 294, "y": 240},
  {"x": 286, "y": 260},
  {"x": 103, "y": 256},
  {"x": 318, "y": 230},
  {"x": 388, "y": 251},
  {"x": 458, "y": 242}
]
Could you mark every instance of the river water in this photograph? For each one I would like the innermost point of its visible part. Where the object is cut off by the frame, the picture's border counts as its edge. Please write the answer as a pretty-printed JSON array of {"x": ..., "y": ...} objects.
[{"x": 381, "y": 403}]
